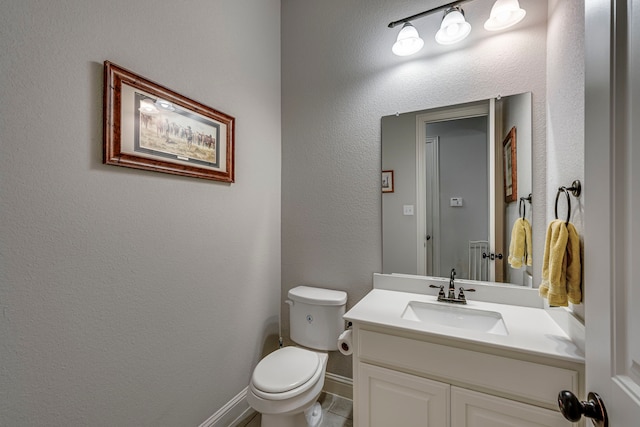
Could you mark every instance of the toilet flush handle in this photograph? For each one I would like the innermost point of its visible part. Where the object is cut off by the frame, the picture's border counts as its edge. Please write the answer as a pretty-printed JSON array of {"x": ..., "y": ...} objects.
[{"x": 288, "y": 301}]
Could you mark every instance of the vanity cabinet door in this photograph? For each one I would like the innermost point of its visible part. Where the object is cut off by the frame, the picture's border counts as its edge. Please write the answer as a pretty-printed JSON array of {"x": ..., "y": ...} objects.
[
  {"x": 389, "y": 398},
  {"x": 473, "y": 409}
]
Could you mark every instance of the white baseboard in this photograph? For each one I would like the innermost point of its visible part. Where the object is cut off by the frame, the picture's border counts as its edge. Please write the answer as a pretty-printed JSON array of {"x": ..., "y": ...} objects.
[
  {"x": 231, "y": 413},
  {"x": 338, "y": 385},
  {"x": 238, "y": 409}
]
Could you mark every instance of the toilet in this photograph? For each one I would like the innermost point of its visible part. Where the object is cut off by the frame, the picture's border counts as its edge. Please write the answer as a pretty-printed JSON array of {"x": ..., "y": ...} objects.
[{"x": 286, "y": 384}]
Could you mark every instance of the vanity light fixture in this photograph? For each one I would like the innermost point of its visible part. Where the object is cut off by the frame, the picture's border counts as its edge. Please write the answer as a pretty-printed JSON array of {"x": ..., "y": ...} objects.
[
  {"x": 504, "y": 14},
  {"x": 408, "y": 41},
  {"x": 454, "y": 27}
]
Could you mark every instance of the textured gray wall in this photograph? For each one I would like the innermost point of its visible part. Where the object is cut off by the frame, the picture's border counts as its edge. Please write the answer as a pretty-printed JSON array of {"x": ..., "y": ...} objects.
[
  {"x": 565, "y": 111},
  {"x": 339, "y": 78},
  {"x": 133, "y": 298},
  {"x": 399, "y": 237}
]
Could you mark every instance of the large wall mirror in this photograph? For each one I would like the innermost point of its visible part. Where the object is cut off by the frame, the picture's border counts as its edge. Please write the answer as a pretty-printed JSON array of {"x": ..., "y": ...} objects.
[{"x": 461, "y": 178}]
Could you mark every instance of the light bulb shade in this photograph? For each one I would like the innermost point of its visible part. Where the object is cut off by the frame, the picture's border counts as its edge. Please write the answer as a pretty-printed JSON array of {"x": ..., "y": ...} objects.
[
  {"x": 454, "y": 28},
  {"x": 504, "y": 14},
  {"x": 408, "y": 41}
]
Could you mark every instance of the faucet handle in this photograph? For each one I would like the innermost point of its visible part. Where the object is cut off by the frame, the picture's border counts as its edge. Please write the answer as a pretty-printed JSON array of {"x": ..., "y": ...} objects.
[
  {"x": 461, "y": 293},
  {"x": 441, "y": 287}
]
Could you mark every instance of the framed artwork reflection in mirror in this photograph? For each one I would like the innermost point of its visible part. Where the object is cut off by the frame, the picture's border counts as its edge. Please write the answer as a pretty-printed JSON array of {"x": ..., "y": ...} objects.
[
  {"x": 510, "y": 166},
  {"x": 387, "y": 181}
]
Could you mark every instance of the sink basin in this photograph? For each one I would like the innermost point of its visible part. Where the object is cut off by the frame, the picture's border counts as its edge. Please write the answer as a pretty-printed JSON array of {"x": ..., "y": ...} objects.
[{"x": 454, "y": 316}]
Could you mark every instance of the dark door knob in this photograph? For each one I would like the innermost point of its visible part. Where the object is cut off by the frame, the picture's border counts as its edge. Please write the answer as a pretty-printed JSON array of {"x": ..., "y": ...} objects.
[
  {"x": 428, "y": 237},
  {"x": 573, "y": 409}
]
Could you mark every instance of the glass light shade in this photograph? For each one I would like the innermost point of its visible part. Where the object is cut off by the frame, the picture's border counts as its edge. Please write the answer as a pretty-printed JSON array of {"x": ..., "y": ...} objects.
[
  {"x": 504, "y": 14},
  {"x": 408, "y": 41},
  {"x": 454, "y": 28}
]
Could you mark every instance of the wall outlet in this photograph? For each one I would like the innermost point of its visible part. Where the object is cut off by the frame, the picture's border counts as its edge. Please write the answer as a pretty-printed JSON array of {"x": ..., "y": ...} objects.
[{"x": 407, "y": 209}]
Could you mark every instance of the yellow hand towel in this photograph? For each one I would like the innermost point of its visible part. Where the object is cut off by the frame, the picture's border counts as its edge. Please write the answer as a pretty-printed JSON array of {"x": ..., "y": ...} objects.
[
  {"x": 561, "y": 265},
  {"x": 574, "y": 266},
  {"x": 553, "y": 286},
  {"x": 529, "y": 242},
  {"x": 520, "y": 247}
]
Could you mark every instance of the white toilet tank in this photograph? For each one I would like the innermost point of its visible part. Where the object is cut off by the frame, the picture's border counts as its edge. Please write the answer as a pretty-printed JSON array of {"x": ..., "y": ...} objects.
[{"x": 315, "y": 316}]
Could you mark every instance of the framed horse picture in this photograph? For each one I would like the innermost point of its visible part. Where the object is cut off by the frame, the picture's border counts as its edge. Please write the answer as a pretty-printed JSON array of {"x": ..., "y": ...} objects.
[
  {"x": 510, "y": 166},
  {"x": 387, "y": 181},
  {"x": 147, "y": 126}
]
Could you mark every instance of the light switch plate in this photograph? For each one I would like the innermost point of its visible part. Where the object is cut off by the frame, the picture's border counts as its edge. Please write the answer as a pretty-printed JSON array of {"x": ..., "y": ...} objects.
[{"x": 456, "y": 201}]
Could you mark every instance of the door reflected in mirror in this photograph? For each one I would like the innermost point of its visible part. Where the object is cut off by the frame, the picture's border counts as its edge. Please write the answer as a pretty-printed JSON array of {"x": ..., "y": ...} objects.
[{"x": 453, "y": 172}]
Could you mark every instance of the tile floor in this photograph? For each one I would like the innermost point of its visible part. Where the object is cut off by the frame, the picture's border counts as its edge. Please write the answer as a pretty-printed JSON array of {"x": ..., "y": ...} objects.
[{"x": 336, "y": 412}]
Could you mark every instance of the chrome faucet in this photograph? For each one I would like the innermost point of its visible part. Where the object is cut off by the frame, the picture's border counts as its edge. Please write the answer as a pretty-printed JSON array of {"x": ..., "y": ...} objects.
[{"x": 451, "y": 297}]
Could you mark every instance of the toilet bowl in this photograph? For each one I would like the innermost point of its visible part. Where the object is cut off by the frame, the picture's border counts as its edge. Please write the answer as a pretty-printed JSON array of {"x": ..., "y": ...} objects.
[{"x": 286, "y": 384}]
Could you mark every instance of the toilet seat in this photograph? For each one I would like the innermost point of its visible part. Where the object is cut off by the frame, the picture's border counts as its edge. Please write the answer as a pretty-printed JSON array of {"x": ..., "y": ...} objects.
[{"x": 285, "y": 373}]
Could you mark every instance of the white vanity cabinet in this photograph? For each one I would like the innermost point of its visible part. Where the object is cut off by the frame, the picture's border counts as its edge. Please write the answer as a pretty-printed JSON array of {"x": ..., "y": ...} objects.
[
  {"x": 473, "y": 409},
  {"x": 392, "y": 398},
  {"x": 407, "y": 379}
]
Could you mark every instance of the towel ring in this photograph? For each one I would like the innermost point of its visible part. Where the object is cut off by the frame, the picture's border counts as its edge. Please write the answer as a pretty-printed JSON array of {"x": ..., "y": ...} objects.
[
  {"x": 566, "y": 192},
  {"x": 522, "y": 206},
  {"x": 575, "y": 189}
]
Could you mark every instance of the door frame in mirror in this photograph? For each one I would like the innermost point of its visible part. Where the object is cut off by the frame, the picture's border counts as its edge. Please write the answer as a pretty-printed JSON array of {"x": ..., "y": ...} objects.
[{"x": 465, "y": 111}]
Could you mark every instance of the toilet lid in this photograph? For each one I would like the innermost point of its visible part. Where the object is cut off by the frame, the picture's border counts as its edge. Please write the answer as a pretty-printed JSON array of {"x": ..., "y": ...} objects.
[{"x": 285, "y": 369}]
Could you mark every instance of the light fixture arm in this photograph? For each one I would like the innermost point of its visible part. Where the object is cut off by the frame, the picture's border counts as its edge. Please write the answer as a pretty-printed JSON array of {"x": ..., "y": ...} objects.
[{"x": 426, "y": 12}]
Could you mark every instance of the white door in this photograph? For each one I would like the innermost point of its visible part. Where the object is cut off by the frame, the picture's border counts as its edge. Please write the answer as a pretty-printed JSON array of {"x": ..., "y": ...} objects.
[{"x": 612, "y": 226}]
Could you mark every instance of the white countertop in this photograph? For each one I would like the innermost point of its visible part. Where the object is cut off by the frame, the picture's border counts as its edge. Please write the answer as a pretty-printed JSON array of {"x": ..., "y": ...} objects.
[{"x": 531, "y": 330}]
